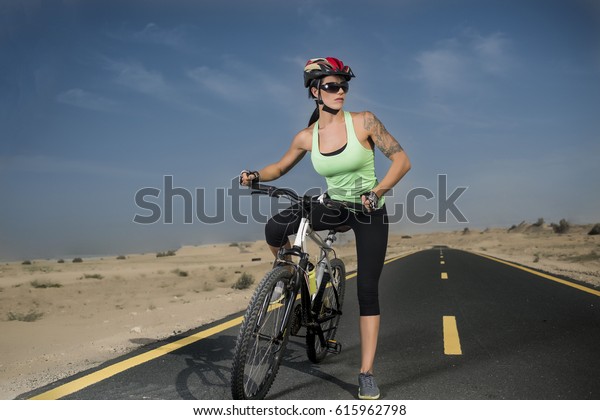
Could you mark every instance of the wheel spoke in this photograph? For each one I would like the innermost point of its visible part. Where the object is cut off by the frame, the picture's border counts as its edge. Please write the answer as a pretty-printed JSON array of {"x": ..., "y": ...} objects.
[{"x": 266, "y": 343}]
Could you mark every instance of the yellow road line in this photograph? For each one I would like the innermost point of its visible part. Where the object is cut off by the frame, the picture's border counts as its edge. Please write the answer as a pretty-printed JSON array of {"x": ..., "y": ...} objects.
[
  {"x": 119, "y": 367},
  {"x": 546, "y": 276},
  {"x": 444, "y": 276},
  {"x": 451, "y": 339},
  {"x": 107, "y": 372},
  {"x": 442, "y": 262},
  {"x": 406, "y": 254}
]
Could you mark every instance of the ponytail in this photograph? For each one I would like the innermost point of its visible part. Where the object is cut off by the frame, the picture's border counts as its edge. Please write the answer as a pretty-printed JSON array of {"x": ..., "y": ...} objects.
[
  {"x": 314, "y": 117},
  {"x": 315, "y": 83}
]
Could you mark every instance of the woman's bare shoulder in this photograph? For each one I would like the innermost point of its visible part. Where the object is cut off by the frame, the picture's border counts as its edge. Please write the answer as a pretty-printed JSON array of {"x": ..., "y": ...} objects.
[
  {"x": 360, "y": 116},
  {"x": 303, "y": 140},
  {"x": 362, "y": 121}
]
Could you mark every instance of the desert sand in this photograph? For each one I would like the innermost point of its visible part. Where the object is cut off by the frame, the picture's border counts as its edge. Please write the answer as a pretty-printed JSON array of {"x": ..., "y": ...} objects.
[{"x": 57, "y": 319}]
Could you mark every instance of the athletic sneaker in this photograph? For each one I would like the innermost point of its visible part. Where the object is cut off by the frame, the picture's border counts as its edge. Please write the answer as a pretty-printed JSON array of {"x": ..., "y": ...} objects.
[{"x": 367, "y": 387}]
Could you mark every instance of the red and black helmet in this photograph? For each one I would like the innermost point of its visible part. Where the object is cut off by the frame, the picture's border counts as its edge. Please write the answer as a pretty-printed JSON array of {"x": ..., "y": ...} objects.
[{"x": 317, "y": 68}]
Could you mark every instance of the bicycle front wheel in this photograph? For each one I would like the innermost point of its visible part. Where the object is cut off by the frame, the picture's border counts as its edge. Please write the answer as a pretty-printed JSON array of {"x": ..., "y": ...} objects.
[
  {"x": 328, "y": 308},
  {"x": 263, "y": 337}
]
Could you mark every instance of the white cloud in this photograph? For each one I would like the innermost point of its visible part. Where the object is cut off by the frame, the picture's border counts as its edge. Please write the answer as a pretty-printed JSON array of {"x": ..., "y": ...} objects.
[
  {"x": 135, "y": 76},
  {"x": 178, "y": 38},
  {"x": 237, "y": 81},
  {"x": 492, "y": 53},
  {"x": 297, "y": 61},
  {"x": 442, "y": 68},
  {"x": 87, "y": 100},
  {"x": 224, "y": 85},
  {"x": 466, "y": 61},
  {"x": 174, "y": 38},
  {"x": 138, "y": 78}
]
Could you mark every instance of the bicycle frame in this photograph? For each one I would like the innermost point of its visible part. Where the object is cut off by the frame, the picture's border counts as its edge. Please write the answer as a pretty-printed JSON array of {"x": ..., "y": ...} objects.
[
  {"x": 325, "y": 248},
  {"x": 299, "y": 283}
]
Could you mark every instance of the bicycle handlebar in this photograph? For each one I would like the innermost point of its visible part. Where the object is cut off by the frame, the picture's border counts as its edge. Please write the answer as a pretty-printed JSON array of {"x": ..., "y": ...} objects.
[{"x": 277, "y": 192}]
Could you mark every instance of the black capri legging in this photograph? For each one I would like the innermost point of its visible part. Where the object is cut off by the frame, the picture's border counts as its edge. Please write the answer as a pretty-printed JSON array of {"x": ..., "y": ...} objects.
[{"x": 371, "y": 237}]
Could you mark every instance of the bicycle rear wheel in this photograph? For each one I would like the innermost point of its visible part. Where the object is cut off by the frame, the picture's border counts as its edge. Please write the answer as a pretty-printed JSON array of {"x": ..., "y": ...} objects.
[
  {"x": 328, "y": 308},
  {"x": 262, "y": 338}
]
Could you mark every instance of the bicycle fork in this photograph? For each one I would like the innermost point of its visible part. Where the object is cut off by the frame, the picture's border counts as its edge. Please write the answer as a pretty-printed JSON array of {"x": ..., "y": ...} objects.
[{"x": 278, "y": 335}]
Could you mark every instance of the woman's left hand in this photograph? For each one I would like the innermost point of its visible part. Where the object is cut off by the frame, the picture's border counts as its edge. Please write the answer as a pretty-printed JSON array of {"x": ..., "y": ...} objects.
[{"x": 370, "y": 201}]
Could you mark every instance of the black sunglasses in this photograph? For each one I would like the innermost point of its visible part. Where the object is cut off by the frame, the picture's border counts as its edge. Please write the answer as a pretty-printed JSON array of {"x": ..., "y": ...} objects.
[{"x": 335, "y": 87}]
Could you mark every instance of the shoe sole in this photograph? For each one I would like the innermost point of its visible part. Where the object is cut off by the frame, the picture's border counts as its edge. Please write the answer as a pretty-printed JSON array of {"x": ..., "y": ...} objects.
[{"x": 368, "y": 397}]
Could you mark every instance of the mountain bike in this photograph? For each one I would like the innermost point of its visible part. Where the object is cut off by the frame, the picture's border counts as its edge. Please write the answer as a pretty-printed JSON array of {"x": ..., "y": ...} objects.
[{"x": 274, "y": 314}]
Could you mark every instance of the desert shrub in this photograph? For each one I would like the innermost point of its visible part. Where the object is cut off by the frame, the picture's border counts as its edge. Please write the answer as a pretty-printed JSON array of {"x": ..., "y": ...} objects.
[
  {"x": 32, "y": 316},
  {"x": 26, "y": 262},
  {"x": 77, "y": 260},
  {"x": 406, "y": 237},
  {"x": 245, "y": 281},
  {"x": 518, "y": 228},
  {"x": 562, "y": 226},
  {"x": 592, "y": 256},
  {"x": 37, "y": 284},
  {"x": 93, "y": 276},
  {"x": 539, "y": 223},
  {"x": 208, "y": 287},
  {"x": 121, "y": 257},
  {"x": 466, "y": 231},
  {"x": 61, "y": 261},
  {"x": 595, "y": 230},
  {"x": 36, "y": 268},
  {"x": 221, "y": 278},
  {"x": 234, "y": 244},
  {"x": 180, "y": 273},
  {"x": 169, "y": 253}
]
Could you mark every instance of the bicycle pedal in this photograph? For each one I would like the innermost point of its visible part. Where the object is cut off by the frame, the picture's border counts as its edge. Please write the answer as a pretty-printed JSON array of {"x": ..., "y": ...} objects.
[{"x": 334, "y": 347}]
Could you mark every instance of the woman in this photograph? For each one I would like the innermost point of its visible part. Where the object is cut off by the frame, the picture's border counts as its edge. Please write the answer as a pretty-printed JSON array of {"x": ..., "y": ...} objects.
[{"x": 342, "y": 148}]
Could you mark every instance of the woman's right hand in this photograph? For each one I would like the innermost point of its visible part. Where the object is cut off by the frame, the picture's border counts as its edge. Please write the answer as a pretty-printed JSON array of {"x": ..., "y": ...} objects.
[{"x": 248, "y": 177}]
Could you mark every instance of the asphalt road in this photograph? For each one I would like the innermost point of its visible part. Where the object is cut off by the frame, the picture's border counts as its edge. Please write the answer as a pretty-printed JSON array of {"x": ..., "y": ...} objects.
[{"x": 485, "y": 330}]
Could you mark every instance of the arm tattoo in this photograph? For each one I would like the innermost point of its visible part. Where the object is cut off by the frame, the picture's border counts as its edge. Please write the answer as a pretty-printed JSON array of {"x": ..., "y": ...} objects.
[{"x": 380, "y": 136}]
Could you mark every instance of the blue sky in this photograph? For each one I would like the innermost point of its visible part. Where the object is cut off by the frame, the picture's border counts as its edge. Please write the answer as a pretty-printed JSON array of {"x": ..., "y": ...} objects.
[{"x": 103, "y": 98}]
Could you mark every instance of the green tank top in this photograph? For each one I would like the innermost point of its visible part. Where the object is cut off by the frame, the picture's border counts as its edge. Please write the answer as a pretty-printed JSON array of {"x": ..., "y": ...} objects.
[{"x": 349, "y": 173}]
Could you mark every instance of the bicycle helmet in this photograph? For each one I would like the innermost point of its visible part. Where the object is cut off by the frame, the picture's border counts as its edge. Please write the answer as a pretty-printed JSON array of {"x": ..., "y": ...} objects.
[{"x": 316, "y": 68}]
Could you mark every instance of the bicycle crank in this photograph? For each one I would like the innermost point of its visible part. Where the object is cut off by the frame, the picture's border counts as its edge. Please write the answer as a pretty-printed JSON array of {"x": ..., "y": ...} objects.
[{"x": 296, "y": 320}]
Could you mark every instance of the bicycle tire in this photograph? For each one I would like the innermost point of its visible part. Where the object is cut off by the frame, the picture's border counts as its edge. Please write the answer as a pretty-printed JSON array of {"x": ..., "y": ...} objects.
[
  {"x": 255, "y": 366},
  {"x": 316, "y": 353}
]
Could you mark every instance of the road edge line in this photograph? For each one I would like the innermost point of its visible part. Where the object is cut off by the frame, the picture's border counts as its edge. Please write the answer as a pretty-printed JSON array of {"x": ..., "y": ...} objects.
[{"x": 540, "y": 274}]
